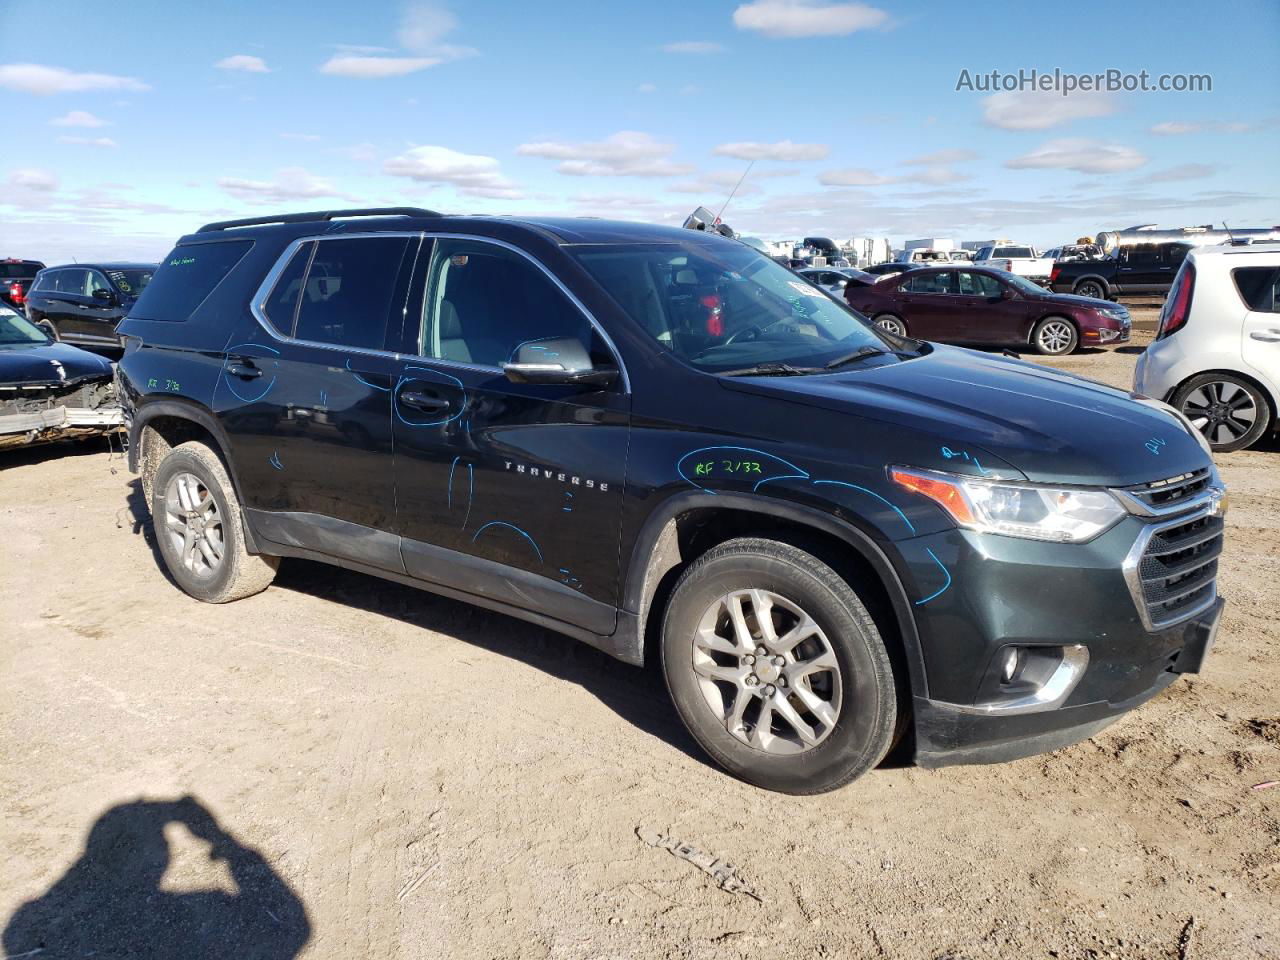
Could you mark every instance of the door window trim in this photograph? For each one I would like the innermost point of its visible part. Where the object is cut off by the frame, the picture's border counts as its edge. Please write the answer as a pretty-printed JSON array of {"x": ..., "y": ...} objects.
[{"x": 269, "y": 282}]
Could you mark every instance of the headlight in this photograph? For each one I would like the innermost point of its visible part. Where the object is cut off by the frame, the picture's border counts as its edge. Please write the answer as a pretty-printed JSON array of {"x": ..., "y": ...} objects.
[{"x": 1061, "y": 514}]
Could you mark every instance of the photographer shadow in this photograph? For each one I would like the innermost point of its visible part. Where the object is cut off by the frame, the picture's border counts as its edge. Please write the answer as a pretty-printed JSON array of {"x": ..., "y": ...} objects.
[{"x": 110, "y": 902}]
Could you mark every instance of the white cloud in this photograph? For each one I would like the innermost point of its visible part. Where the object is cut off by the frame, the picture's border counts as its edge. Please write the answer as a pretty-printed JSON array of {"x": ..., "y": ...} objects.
[
  {"x": 290, "y": 183},
  {"x": 1042, "y": 109},
  {"x": 34, "y": 178},
  {"x": 693, "y": 46},
  {"x": 78, "y": 118},
  {"x": 473, "y": 174},
  {"x": 807, "y": 18},
  {"x": 783, "y": 150},
  {"x": 44, "y": 81},
  {"x": 627, "y": 153},
  {"x": 647, "y": 88},
  {"x": 942, "y": 157},
  {"x": 244, "y": 63},
  {"x": 1185, "y": 171},
  {"x": 853, "y": 177},
  {"x": 1080, "y": 155},
  {"x": 90, "y": 141},
  {"x": 423, "y": 26},
  {"x": 936, "y": 172},
  {"x": 346, "y": 65},
  {"x": 1176, "y": 128}
]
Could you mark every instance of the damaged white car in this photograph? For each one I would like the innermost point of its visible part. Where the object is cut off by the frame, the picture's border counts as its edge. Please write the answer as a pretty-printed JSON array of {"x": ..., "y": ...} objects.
[{"x": 49, "y": 390}]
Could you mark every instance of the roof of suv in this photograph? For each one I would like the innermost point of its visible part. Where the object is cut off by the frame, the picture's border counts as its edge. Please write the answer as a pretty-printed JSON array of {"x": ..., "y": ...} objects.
[
  {"x": 1229, "y": 250},
  {"x": 107, "y": 265},
  {"x": 561, "y": 230}
]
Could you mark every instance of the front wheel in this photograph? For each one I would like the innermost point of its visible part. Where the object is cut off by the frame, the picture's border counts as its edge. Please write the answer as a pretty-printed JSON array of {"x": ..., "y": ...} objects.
[
  {"x": 891, "y": 324},
  {"x": 197, "y": 522},
  {"x": 1091, "y": 288},
  {"x": 1055, "y": 337},
  {"x": 777, "y": 669},
  {"x": 1230, "y": 412}
]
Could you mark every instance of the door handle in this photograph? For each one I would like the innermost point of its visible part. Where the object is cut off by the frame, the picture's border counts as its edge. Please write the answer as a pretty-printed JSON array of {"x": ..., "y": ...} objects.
[
  {"x": 1271, "y": 336},
  {"x": 243, "y": 371},
  {"x": 423, "y": 401}
]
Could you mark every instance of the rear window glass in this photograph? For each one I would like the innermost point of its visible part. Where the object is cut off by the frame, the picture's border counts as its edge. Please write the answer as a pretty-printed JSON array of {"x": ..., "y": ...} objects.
[
  {"x": 350, "y": 287},
  {"x": 20, "y": 269},
  {"x": 1259, "y": 288},
  {"x": 186, "y": 277},
  {"x": 1015, "y": 252}
]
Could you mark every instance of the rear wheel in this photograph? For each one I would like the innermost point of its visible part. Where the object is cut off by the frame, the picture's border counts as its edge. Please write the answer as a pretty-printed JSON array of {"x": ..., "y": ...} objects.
[
  {"x": 197, "y": 522},
  {"x": 1230, "y": 412},
  {"x": 777, "y": 669},
  {"x": 1091, "y": 288},
  {"x": 1055, "y": 337},
  {"x": 895, "y": 325}
]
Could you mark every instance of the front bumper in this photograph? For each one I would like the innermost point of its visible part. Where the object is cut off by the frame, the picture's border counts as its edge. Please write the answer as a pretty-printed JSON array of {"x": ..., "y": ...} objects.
[{"x": 948, "y": 734}]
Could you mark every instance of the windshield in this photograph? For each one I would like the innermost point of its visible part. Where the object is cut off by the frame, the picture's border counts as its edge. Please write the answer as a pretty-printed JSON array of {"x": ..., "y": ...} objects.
[
  {"x": 1021, "y": 284},
  {"x": 17, "y": 330},
  {"x": 129, "y": 282},
  {"x": 722, "y": 307}
]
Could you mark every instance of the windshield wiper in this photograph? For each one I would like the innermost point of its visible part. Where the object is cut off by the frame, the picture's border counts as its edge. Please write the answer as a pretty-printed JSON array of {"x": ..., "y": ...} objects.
[
  {"x": 770, "y": 369},
  {"x": 859, "y": 354}
]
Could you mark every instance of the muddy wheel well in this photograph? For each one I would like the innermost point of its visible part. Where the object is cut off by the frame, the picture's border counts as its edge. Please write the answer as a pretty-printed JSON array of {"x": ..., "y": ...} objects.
[
  {"x": 692, "y": 533},
  {"x": 161, "y": 434}
]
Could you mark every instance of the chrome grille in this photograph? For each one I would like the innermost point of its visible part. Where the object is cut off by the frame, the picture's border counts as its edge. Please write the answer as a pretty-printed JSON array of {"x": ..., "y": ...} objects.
[
  {"x": 1173, "y": 568},
  {"x": 1162, "y": 495}
]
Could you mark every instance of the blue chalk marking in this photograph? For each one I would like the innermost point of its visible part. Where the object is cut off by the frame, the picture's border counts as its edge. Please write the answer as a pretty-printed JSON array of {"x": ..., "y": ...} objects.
[
  {"x": 471, "y": 494},
  {"x": 854, "y": 486},
  {"x": 434, "y": 373},
  {"x": 274, "y": 460},
  {"x": 1154, "y": 445},
  {"x": 785, "y": 476},
  {"x": 946, "y": 573},
  {"x": 363, "y": 380},
  {"x": 452, "y": 467},
  {"x": 510, "y": 526},
  {"x": 981, "y": 470},
  {"x": 230, "y": 381}
]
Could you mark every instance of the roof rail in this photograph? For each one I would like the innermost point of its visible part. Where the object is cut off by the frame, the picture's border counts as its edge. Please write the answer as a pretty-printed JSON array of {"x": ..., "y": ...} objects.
[{"x": 319, "y": 215}]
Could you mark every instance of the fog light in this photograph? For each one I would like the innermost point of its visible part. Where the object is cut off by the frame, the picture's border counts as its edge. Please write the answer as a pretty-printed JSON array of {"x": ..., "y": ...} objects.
[{"x": 1009, "y": 668}]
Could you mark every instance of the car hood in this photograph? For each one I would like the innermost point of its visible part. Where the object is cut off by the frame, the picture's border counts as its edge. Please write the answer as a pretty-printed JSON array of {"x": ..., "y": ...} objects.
[
  {"x": 50, "y": 363},
  {"x": 1051, "y": 426},
  {"x": 1073, "y": 300}
]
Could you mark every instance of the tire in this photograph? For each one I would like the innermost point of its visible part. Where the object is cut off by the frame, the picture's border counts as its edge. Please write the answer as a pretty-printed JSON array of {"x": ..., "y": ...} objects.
[
  {"x": 894, "y": 325},
  {"x": 50, "y": 329},
  {"x": 1055, "y": 337},
  {"x": 1091, "y": 288},
  {"x": 855, "y": 707},
  {"x": 1229, "y": 411},
  {"x": 192, "y": 476}
]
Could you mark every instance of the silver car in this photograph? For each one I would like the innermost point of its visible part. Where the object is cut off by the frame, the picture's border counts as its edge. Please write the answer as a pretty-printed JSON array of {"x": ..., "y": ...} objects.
[{"x": 1216, "y": 357}]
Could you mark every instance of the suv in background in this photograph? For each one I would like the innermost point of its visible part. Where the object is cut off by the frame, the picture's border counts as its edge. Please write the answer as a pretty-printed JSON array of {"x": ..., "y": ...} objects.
[
  {"x": 16, "y": 277},
  {"x": 1216, "y": 356},
  {"x": 1138, "y": 268},
  {"x": 82, "y": 303},
  {"x": 666, "y": 445}
]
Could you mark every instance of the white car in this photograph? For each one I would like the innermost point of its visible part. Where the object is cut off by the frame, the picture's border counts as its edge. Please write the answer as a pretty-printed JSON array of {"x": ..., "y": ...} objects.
[
  {"x": 1020, "y": 260},
  {"x": 1216, "y": 357}
]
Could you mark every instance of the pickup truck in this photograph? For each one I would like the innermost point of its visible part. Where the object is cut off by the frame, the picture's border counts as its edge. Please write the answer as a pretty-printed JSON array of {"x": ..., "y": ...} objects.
[
  {"x": 16, "y": 277},
  {"x": 1132, "y": 269},
  {"x": 1021, "y": 261}
]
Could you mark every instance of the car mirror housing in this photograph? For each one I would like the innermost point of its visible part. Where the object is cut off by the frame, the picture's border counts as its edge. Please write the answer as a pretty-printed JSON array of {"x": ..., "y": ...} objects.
[
  {"x": 106, "y": 296},
  {"x": 556, "y": 360}
]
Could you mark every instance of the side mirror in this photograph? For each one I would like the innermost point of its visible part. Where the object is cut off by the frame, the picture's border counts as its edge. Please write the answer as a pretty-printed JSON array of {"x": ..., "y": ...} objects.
[
  {"x": 106, "y": 296},
  {"x": 1008, "y": 293},
  {"x": 562, "y": 360}
]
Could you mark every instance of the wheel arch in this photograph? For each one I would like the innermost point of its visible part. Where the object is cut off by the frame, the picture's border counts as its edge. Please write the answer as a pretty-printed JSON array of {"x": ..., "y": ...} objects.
[
  {"x": 689, "y": 524},
  {"x": 1097, "y": 278},
  {"x": 173, "y": 421}
]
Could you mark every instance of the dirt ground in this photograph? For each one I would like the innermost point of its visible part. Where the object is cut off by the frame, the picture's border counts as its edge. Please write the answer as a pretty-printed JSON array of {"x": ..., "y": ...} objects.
[{"x": 343, "y": 767}]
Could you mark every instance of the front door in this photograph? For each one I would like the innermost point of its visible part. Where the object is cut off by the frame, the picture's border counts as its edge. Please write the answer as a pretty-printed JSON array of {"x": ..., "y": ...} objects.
[
  {"x": 987, "y": 316},
  {"x": 507, "y": 491},
  {"x": 306, "y": 399},
  {"x": 1138, "y": 268}
]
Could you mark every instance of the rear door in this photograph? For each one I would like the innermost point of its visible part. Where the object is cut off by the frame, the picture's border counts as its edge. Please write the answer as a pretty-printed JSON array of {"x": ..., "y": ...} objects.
[
  {"x": 1138, "y": 268},
  {"x": 508, "y": 491},
  {"x": 932, "y": 310},
  {"x": 307, "y": 402},
  {"x": 1259, "y": 288}
]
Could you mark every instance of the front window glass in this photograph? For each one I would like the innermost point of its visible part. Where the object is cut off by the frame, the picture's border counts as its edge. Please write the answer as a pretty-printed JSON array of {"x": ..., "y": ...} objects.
[
  {"x": 722, "y": 306},
  {"x": 978, "y": 284},
  {"x": 1021, "y": 284},
  {"x": 16, "y": 330},
  {"x": 130, "y": 282}
]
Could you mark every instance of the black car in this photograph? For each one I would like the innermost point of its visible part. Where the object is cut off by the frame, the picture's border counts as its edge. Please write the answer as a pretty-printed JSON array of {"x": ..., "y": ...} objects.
[
  {"x": 1139, "y": 268},
  {"x": 16, "y": 277},
  {"x": 48, "y": 390},
  {"x": 664, "y": 444},
  {"x": 82, "y": 303}
]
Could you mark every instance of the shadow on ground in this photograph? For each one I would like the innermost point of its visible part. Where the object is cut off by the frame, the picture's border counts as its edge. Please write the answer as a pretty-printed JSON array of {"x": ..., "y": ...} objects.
[{"x": 109, "y": 903}]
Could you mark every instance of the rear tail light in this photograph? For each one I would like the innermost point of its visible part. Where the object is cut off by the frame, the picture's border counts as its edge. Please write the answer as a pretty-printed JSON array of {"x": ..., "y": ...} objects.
[
  {"x": 715, "y": 322},
  {"x": 1177, "y": 307},
  {"x": 17, "y": 294},
  {"x": 1053, "y": 274}
]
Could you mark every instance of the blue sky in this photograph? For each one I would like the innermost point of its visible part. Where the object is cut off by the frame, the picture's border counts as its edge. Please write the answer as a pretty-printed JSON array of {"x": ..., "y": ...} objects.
[{"x": 132, "y": 123}]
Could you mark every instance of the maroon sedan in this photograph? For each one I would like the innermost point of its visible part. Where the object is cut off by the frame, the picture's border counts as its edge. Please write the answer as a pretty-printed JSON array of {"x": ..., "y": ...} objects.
[{"x": 980, "y": 305}]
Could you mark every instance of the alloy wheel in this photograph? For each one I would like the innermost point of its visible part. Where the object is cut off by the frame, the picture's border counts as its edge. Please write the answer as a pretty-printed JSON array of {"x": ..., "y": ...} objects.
[
  {"x": 1221, "y": 410},
  {"x": 1055, "y": 336},
  {"x": 767, "y": 671},
  {"x": 892, "y": 325},
  {"x": 194, "y": 525},
  {"x": 1091, "y": 289}
]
